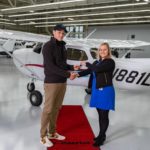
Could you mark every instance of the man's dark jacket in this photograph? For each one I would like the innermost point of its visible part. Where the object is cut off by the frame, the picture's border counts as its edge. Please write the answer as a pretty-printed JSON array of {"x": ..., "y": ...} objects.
[{"x": 56, "y": 68}]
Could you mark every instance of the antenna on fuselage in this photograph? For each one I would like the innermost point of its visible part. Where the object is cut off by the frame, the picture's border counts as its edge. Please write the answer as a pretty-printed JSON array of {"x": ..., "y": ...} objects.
[
  {"x": 90, "y": 34},
  {"x": 69, "y": 33}
]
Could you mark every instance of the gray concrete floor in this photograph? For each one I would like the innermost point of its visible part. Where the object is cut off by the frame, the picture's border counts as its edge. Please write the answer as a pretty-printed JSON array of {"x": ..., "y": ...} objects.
[{"x": 20, "y": 122}]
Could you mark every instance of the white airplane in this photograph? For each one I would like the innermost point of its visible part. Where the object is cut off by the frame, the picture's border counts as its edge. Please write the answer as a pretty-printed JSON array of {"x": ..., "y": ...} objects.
[
  {"x": 133, "y": 73},
  {"x": 26, "y": 40},
  {"x": 13, "y": 46}
]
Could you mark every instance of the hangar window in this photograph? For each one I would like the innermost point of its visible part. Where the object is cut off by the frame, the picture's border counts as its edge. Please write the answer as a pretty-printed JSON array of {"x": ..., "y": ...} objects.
[
  {"x": 38, "y": 48},
  {"x": 76, "y": 54},
  {"x": 75, "y": 32}
]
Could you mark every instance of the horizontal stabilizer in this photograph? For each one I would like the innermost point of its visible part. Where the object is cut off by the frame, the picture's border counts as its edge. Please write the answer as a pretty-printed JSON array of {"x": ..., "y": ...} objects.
[{"x": 9, "y": 45}]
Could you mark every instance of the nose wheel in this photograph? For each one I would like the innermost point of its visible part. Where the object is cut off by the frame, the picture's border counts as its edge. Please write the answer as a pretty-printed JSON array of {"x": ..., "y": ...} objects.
[
  {"x": 35, "y": 96},
  {"x": 31, "y": 86}
]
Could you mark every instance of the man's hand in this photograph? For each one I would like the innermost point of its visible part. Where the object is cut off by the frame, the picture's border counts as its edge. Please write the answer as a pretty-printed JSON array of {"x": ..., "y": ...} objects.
[
  {"x": 76, "y": 67},
  {"x": 83, "y": 63},
  {"x": 73, "y": 75}
]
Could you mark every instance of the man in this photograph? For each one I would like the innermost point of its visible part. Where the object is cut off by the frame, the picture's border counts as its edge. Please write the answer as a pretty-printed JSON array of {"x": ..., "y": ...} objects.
[{"x": 56, "y": 73}]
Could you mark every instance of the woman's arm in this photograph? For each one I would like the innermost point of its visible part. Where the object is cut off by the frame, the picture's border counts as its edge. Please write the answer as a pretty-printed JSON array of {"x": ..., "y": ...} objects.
[
  {"x": 87, "y": 71},
  {"x": 84, "y": 72},
  {"x": 107, "y": 65}
]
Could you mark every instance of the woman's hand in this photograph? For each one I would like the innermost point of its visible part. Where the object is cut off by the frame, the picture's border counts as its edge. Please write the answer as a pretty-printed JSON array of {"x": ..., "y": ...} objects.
[{"x": 76, "y": 67}]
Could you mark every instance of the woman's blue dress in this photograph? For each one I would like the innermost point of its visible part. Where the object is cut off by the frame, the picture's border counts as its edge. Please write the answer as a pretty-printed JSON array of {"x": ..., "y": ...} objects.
[{"x": 103, "y": 98}]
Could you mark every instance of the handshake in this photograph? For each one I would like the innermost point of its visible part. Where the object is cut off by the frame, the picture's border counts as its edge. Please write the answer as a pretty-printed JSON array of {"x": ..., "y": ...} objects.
[
  {"x": 78, "y": 67},
  {"x": 74, "y": 75}
]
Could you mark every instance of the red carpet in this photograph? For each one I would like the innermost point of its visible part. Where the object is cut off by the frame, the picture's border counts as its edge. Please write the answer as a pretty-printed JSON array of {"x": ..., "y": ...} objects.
[{"x": 73, "y": 123}]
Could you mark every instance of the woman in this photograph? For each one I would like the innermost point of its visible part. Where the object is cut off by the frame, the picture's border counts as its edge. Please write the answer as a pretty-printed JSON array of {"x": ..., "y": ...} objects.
[{"x": 103, "y": 94}]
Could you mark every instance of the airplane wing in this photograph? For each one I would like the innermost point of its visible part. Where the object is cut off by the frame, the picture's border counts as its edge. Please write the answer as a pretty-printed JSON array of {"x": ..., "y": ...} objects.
[
  {"x": 113, "y": 43},
  {"x": 23, "y": 36}
]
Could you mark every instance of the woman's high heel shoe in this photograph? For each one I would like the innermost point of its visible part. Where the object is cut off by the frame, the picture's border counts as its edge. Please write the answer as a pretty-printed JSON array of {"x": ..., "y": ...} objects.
[
  {"x": 99, "y": 141},
  {"x": 95, "y": 138}
]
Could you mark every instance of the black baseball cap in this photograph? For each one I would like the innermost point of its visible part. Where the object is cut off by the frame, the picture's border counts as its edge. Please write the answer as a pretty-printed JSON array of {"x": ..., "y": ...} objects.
[{"x": 60, "y": 27}]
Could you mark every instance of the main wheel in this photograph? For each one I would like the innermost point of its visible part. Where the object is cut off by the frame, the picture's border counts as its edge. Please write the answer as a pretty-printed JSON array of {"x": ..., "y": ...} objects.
[
  {"x": 36, "y": 98},
  {"x": 30, "y": 87}
]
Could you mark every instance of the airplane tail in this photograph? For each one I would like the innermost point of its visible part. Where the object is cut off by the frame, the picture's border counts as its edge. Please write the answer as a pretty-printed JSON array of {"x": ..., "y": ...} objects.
[{"x": 8, "y": 45}]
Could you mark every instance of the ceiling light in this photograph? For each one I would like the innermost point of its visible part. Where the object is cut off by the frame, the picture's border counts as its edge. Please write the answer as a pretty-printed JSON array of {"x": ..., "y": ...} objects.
[
  {"x": 31, "y": 22},
  {"x": 100, "y": 23},
  {"x": 40, "y": 5},
  {"x": 93, "y": 14},
  {"x": 79, "y": 9},
  {"x": 31, "y": 11},
  {"x": 70, "y": 19},
  {"x": 4, "y": 19},
  {"x": 8, "y": 23},
  {"x": 86, "y": 20}
]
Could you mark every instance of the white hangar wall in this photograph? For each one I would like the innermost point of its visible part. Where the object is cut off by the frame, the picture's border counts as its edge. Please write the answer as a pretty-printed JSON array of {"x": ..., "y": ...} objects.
[{"x": 124, "y": 32}]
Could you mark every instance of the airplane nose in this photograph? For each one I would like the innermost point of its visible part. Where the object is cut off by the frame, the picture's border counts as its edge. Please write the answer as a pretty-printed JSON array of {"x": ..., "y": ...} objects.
[{"x": 20, "y": 56}]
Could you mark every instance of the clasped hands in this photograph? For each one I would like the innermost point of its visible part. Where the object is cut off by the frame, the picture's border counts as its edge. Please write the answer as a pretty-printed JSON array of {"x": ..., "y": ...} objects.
[{"x": 74, "y": 75}]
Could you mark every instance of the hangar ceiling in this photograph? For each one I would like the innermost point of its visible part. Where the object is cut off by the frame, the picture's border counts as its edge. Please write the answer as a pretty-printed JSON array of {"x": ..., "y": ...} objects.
[{"x": 38, "y": 14}]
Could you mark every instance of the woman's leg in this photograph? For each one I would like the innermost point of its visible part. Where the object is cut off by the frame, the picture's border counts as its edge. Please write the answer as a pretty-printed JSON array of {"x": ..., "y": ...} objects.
[
  {"x": 103, "y": 121},
  {"x": 103, "y": 125}
]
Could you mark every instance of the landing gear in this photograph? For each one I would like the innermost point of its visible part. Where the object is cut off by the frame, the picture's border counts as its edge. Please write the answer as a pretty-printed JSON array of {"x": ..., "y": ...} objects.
[
  {"x": 34, "y": 96},
  {"x": 31, "y": 86}
]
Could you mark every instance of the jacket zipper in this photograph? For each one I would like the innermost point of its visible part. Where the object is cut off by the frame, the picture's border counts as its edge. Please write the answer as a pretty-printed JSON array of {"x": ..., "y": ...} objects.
[{"x": 105, "y": 77}]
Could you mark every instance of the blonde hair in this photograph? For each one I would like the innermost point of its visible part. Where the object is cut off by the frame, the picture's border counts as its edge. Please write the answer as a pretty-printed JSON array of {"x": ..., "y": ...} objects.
[{"x": 109, "y": 50}]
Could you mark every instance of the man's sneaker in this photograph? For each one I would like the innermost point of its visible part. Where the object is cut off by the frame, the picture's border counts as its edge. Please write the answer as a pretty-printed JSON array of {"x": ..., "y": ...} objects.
[
  {"x": 56, "y": 136},
  {"x": 46, "y": 142}
]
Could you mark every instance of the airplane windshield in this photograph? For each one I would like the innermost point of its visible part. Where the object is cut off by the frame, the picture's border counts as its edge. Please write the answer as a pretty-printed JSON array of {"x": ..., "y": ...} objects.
[
  {"x": 93, "y": 52},
  {"x": 76, "y": 54}
]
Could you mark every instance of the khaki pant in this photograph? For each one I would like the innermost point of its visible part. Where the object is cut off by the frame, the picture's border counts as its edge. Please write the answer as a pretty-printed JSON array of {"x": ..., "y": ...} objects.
[{"x": 54, "y": 95}]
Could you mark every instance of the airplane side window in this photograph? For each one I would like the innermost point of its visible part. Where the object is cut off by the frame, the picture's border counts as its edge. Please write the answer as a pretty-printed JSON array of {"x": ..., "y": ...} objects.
[
  {"x": 38, "y": 48},
  {"x": 93, "y": 52},
  {"x": 115, "y": 53},
  {"x": 76, "y": 54},
  {"x": 94, "y": 55}
]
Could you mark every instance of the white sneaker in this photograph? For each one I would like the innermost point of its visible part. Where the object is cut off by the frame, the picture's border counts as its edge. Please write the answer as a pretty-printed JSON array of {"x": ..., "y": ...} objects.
[
  {"x": 56, "y": 136},
  {"x": 46, "y": 142}
]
